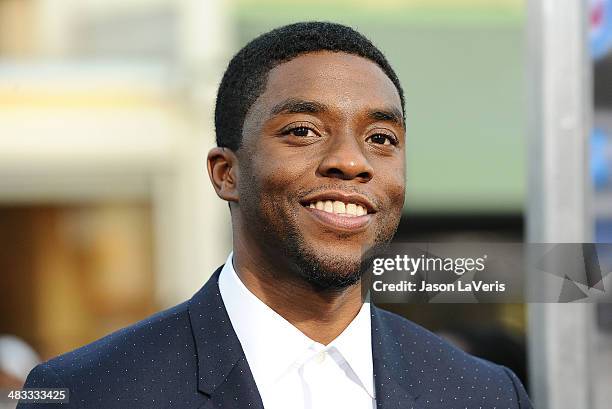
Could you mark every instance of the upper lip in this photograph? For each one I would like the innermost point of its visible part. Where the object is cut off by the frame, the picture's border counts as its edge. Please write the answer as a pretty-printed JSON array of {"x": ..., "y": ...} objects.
[{"x": 340, "y": 196}]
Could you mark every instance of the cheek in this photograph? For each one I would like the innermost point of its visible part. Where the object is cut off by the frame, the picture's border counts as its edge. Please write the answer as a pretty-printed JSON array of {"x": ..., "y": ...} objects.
[
  {"x": 281, "y": 171},
  {"x": 275, "y": 182},
  {"x": 399, "y": 190},
  {"x": 396, "y": 203},
  {"x": 394, "y": 193},
  {"x": 277, "y": 178},
  {"x": 393, "y": 183}
]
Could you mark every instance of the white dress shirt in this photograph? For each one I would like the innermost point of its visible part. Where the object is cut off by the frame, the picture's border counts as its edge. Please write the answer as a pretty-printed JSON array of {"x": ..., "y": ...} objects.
[{"x": 290, "y": 369}]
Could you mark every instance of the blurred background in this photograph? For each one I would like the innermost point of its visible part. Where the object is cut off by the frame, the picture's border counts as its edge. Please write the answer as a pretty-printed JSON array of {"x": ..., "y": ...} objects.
[{"x": 106, "y": 116}]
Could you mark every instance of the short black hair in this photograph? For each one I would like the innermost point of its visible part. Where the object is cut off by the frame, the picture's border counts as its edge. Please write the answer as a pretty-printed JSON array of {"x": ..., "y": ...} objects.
[{"x": 246, "y": 75}]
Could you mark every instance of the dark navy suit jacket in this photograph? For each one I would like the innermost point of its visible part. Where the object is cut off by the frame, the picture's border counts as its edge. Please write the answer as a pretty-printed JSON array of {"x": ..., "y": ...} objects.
[{"x": 189, "y": 357}]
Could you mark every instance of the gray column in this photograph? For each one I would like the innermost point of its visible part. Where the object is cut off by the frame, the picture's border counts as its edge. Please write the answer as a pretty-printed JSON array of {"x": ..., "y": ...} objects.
[
  {"x": 559, "y": 107},
  {"x": 193, "y": 229}
]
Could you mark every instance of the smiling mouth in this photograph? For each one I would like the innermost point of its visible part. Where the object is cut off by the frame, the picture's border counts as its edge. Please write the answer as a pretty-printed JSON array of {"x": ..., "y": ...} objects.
[
  {"x": 342, "y": 209},
  {"x": 346, "y": 217},
  {"x": 345, "y": 212}
]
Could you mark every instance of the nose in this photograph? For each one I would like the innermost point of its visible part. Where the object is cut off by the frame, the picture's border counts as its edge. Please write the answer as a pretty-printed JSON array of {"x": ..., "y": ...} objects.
[{"x": 344, "y": 159}]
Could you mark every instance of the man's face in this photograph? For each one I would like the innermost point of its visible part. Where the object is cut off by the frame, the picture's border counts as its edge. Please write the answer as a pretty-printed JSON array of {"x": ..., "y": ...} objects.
[{"x": 321, "y": 168}]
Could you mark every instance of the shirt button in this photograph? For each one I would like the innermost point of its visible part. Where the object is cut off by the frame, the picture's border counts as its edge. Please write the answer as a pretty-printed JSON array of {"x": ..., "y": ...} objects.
[{"x": 320, "y": 357}]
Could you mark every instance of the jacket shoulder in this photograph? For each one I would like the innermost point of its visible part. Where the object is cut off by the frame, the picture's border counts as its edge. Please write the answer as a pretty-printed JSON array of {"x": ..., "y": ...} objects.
[
  {"x": 147, "y": 360},
  {"x": 422, "y": 342},
  {"x": 444, "y": 370},
  {"x": 144, "y": 337}
]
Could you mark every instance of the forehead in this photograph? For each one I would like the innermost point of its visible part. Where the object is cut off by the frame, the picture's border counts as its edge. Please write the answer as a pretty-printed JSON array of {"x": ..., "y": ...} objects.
[{"x": 343, "y": 81}]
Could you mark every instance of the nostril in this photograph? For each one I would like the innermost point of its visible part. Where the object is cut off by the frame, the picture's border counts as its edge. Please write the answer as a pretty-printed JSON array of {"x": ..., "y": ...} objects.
[
  {"x": 366, "y": 176},
  {"x": 337, "y": 167},
  {"x": 335, "y": 172}
]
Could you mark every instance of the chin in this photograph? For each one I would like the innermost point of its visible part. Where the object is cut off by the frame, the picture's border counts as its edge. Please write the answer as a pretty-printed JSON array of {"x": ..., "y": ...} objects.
[
  {"x": 328, "y": 260},
  {"x": 330, "y": 270}
]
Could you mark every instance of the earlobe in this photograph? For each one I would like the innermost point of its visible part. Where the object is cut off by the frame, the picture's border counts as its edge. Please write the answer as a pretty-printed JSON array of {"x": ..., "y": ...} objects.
[{"x": 222, "y": 170}]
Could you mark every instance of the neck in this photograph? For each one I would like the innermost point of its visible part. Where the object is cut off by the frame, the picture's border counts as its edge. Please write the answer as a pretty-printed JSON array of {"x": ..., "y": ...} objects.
[{"x": 320, "y": 315}]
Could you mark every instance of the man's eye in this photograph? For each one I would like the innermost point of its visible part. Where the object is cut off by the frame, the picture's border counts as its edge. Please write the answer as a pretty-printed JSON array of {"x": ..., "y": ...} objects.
[
  {"x": 382, "y": 139},
  {"x": 301, "y": 131}
]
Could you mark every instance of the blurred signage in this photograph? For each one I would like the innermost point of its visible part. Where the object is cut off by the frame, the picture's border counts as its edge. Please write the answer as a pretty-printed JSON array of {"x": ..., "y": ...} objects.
[
  {"x": 601, "y": 28},
  {"x": 601, "y": 159}
]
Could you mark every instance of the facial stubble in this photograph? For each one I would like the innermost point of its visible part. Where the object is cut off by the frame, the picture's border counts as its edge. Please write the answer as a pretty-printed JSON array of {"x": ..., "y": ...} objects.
[{"x": 322, "y": 270}]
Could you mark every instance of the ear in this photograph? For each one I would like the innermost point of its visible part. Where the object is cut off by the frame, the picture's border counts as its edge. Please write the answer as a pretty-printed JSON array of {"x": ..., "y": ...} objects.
[{"x": 223, "y": 172}]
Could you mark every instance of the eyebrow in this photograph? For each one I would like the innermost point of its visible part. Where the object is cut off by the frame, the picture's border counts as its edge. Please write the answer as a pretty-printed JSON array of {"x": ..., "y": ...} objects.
[
  {"x": 300, "y": 106},
  {"x": 390, "y": 115}
]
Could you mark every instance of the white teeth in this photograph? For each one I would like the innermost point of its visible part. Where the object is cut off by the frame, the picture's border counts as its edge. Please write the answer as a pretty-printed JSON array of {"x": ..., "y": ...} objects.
[
  {"x": 351, "y": 209},
  {"x": 338, "y": 207},
  {"x": 360, "y": 210}
]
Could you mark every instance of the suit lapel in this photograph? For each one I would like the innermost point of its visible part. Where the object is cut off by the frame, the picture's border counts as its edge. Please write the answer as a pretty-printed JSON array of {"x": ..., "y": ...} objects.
[
  {"x": 224, "y": 375},
  {"x": 396, "y": 384},
  {"x": 225, "y": 378}
]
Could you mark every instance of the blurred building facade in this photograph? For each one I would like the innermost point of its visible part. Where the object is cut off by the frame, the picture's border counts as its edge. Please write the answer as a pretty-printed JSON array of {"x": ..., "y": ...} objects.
[{"x": 106, "y": 121}]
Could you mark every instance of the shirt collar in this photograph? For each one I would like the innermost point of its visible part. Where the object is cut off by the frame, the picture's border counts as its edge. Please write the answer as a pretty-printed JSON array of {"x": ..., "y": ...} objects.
[
  {"x": 272, "y": 345},
  {"x": 355, "y": 345}
]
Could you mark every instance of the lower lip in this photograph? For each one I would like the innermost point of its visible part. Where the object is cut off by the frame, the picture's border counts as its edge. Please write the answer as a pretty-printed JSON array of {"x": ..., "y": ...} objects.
[{"x": 345, "y": 223}]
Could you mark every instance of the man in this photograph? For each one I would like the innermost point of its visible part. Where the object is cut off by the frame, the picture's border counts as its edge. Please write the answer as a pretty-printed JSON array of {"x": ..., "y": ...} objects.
[{"x": 310, "y": 157}]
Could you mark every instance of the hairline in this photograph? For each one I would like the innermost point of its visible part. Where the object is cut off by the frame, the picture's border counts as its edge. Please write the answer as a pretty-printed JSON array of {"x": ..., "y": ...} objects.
[{"x": 277, "y": 63}]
